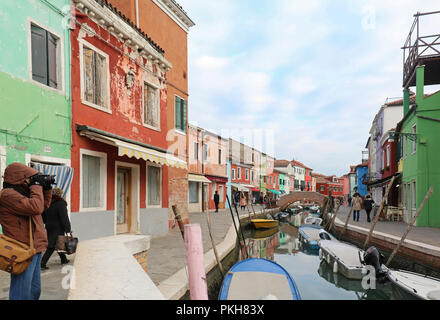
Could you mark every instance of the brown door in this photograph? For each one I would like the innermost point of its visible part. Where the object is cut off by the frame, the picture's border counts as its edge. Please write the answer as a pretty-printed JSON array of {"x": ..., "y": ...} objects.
[
  {"x": 123, "y": 207},
  {"x": 205, "y": 197}
]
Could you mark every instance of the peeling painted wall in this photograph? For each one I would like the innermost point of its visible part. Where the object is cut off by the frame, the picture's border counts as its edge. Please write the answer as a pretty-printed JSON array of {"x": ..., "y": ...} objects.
[
  {"x": 35, "y": 118},
  {"x": 124, "y": 116}
]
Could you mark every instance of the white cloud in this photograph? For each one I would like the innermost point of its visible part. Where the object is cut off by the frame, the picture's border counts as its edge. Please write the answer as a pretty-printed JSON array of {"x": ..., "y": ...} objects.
[{"x": 309, "y": 70}]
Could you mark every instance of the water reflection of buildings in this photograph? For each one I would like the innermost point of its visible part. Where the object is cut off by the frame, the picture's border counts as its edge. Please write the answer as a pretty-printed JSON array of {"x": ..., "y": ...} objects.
[
  {"x": 290, "y": 246},
  {"x": 263, "y": 247}
]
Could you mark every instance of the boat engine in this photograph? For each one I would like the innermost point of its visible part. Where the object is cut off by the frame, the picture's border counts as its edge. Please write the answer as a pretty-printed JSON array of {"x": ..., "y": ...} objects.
[{"x": 373, "y": 257}]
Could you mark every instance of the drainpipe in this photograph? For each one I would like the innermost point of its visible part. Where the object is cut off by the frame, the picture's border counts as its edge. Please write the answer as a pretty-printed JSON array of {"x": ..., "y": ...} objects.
[{"x": 137, "y": 13}]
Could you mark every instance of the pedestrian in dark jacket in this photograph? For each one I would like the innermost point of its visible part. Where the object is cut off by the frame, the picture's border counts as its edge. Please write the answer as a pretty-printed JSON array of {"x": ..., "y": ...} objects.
[
  {"x": 368, "y": 204},
  {"x": 24, "y": 198},
  {"x": 57, "y": 224},
  {"x": 216, "y": 201}
]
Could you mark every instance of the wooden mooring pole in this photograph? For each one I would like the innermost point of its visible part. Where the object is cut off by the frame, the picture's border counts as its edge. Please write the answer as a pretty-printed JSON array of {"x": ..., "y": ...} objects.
[
  {"x": 249, "y": 212},
  {"x": 213, "y": 244},
  {"x": 235, "y": 225},
  {"x": 410, "y": 226},
  {"x": 242, "y": 235},
  {"x": 346, "y": 222},
  {"x": 179, "y": 221},
  {"x": 376, "y": 218},
  {"x": 332, "y": 220},
  {"x": 253, "y": 209}
]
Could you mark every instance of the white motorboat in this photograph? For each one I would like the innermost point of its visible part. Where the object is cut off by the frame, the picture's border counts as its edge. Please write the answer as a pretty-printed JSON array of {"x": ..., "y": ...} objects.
[
  {"x": 343, "y": 257},
  {"x": 414, "y": 285},
  {"x": 313, "y": 220}
]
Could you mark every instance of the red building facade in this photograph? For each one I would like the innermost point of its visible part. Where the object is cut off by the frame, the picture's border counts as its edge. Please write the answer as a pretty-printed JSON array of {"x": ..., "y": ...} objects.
[
  {"x": 308, "y": 179},
  {"x": 325, "y": 185},
  {"x": 119, "y": 126}
]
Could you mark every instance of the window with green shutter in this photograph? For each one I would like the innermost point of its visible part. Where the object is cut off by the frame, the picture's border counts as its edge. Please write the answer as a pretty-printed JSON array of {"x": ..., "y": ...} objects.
[
  {"x": 180, "y": 110},
  {"x": 44, "y": 51}
]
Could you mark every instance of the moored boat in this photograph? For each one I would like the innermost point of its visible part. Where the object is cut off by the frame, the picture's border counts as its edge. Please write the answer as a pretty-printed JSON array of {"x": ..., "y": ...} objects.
[
  {"x": 258, "y": 279},
  {"x": 310, "y": 234},
  {"x": 313, "y": 220},
  {"x": 264, "y": 233},
  {"x": 343, "y": 258},
  {"x": 264, "y": 223},
  {"x": 415, "y": 286}
]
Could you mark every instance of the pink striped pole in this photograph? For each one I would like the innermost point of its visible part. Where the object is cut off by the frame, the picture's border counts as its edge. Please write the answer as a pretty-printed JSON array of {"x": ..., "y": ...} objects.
[{"x": 196, "y": 265}]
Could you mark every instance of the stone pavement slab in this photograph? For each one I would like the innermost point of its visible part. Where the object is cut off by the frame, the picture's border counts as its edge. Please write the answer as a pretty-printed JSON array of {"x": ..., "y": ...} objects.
[
  {"x": 167, "y": 255},
  {"x": 429, "y": 236},
  {"x": 54, "y": 282}
]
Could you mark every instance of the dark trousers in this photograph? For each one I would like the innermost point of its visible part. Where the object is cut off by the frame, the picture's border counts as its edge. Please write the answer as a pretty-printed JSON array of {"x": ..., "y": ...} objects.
[
  {"x": 368, "y": 214},
  {"x": 216, "y": 206},
  {"x": 47, "y": 255},
  {"x": 356, "y": 214}
]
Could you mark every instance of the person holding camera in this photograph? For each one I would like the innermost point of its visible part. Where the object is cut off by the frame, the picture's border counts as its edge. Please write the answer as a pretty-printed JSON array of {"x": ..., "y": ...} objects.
[
  {"x": 57, "y": 223},
  {"x": 25, "y": 196}
]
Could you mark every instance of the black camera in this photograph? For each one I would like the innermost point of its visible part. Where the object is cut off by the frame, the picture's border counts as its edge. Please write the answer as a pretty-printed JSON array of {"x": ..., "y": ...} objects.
[{"x": 44, "y": 180}]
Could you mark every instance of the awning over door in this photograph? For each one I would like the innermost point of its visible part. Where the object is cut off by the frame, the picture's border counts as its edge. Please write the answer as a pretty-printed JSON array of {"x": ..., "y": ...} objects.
[
  {"x": 132, "y": 150},
  {"x": 197, "y": 178}
]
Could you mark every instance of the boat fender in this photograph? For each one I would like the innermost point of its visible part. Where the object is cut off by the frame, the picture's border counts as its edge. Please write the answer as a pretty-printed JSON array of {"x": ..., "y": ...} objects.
[
  {"x": 335, "y": 267},
  {"x": 327, "y": 258},
  {"x": 321, "y": 256}
]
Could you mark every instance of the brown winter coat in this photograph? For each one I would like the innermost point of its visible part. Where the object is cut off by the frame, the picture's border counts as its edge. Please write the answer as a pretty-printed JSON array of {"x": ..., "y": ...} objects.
[{"x": 15, "y": 208}]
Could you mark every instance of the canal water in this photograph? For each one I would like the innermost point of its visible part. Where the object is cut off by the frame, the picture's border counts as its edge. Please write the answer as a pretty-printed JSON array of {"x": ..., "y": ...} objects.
[{"x": 314, "y": 279}]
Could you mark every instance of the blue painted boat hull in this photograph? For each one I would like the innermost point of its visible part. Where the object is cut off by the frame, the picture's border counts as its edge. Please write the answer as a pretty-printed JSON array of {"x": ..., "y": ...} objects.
[
  {"x": 257, "y": 265},
  {"x": 312, "y": 243}
]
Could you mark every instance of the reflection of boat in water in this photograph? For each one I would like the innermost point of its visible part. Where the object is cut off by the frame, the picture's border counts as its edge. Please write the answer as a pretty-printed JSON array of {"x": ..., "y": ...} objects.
[
  {"x": 264, "y": 233},
  {"x": 258, "y": 279},
  {"x": 382, "y": 292}
]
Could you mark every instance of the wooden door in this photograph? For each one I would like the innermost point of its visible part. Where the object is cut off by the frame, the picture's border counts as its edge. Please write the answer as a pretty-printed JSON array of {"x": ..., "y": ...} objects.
[{"x": 123, "y": 204}]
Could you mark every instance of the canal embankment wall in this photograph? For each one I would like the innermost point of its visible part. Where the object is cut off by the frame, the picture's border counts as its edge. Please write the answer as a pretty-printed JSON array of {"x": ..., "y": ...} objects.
[{"x": 417, "y": 253}]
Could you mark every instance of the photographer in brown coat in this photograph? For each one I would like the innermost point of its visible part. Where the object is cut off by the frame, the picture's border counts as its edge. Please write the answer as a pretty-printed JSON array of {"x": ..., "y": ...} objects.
[{"x": 25, "y": 196}]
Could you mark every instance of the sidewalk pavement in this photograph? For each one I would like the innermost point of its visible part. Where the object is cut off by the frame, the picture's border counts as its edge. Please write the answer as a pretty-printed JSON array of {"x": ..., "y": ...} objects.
[
  {"x": 429, "y": 236},
  {"x": 167, "y": 254},
  {"x": 52, "y": 280}
]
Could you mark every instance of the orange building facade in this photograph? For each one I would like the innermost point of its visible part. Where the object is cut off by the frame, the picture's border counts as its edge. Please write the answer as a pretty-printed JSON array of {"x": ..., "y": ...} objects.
[{"x": 207, "y": 169}]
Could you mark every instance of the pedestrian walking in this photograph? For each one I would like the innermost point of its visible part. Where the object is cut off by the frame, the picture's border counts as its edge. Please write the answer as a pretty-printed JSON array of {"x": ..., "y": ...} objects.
[
  {"x": 57, "y": 223},
  {"x": 216, "y": 201},
  {"x": 368, "y": 204},
  {"x": 357, "y": 206},
  {"x": 237, "y": 198},
  {"x": 243, "y": 203},
  {"x": 25, "y": 196},
  {"x": 349, "y": 200}
]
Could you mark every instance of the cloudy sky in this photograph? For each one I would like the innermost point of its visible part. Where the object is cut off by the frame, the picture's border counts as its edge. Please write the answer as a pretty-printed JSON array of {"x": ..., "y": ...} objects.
[{"x": 298, "y": 79}]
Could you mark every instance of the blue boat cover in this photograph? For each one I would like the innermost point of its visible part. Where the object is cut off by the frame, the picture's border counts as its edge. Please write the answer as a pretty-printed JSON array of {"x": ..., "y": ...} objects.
[{"x": 257, "y": 265}]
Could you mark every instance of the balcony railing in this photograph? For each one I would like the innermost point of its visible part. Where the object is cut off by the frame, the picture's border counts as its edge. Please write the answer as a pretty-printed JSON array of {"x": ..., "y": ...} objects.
[{"x": 419, "y": 48}]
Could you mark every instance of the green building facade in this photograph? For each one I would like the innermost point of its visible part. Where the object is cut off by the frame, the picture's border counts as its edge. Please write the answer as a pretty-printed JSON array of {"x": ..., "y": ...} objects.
[
  {"x": 35, "y": 124},
  {"x": 282, "y": 181},
  {"x": 419, "y": 152}
]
